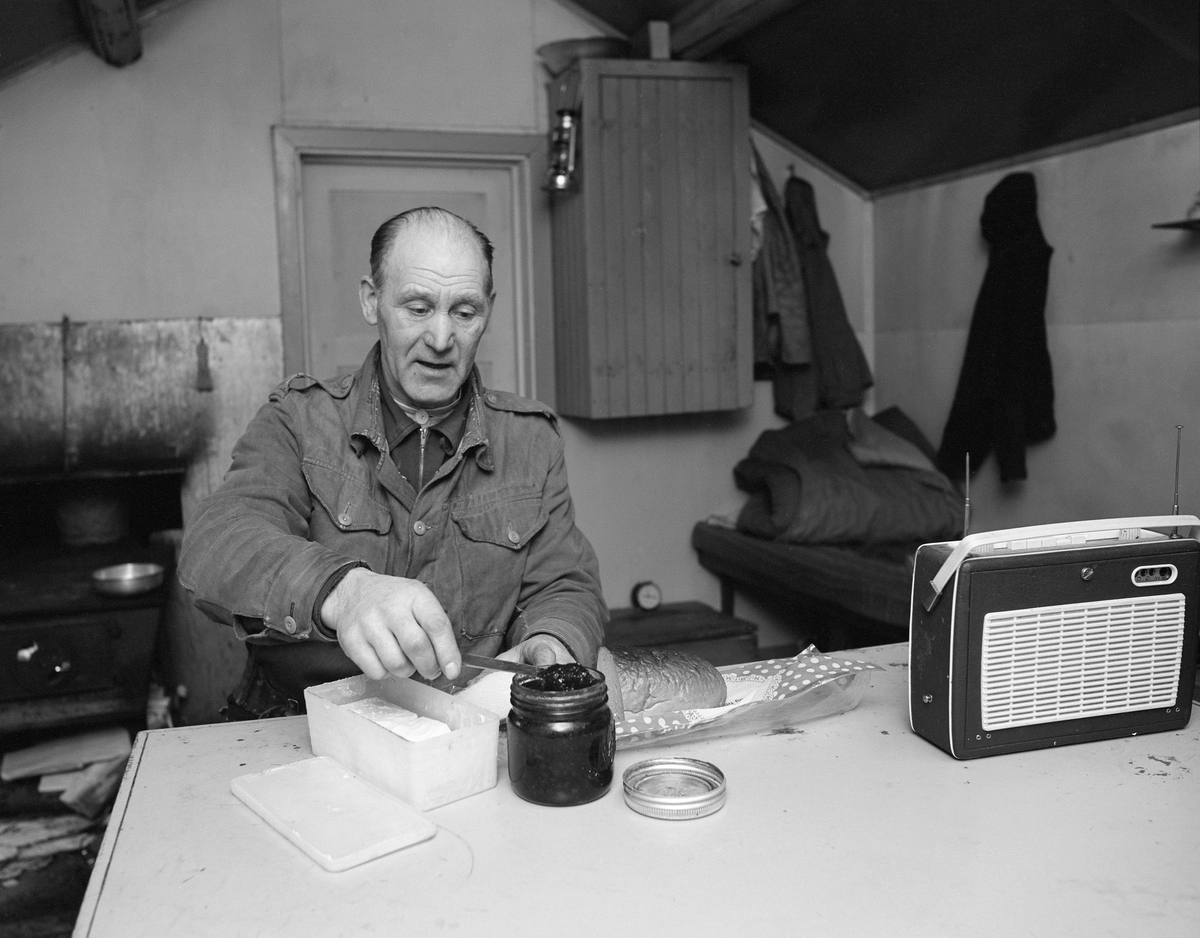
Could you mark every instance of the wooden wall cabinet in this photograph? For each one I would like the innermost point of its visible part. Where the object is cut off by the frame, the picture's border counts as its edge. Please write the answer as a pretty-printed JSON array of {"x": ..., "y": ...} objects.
[{"x": 651, "y": 247}]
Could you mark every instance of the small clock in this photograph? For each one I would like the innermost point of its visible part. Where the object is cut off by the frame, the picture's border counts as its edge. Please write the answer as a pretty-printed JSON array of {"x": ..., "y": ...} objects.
[{"x": 646, "y": 596}]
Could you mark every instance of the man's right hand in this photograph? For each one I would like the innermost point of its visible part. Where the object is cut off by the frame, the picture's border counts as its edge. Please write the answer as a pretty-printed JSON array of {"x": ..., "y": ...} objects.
[{"x": 388, "y": 624}]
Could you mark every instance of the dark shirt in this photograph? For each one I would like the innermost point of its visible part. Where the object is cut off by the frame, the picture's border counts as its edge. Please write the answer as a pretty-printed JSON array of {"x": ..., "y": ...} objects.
[{"x": 404, "y": 437}]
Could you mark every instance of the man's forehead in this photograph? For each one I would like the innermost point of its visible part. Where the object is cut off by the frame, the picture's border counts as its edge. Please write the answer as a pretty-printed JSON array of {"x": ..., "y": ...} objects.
[
  {"x": 420, "y": 239},
  {"x": 425, "y": 268},
  {"x": 429, "y": 283}
]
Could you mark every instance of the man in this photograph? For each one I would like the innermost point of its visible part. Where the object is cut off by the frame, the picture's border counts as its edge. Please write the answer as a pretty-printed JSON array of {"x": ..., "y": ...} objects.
[{"x": 384, "y": 521}]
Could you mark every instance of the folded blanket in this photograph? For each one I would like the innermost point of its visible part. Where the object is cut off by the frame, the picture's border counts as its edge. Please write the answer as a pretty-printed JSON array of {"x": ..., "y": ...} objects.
[{"x": 806, "y": 485}]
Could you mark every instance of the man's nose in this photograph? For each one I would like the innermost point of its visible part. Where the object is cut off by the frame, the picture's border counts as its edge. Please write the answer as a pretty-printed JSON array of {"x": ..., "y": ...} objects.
[{"x": 439, "y": 336}]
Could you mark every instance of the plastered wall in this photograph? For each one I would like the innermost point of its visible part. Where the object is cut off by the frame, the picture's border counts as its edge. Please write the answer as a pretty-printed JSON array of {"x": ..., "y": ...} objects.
[
  {"x": 145, "y": 192},
  {"x": 1122, "y": 315}
]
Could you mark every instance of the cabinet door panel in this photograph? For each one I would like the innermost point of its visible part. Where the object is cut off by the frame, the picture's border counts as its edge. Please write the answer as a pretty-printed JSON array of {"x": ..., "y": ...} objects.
[
  {"x": 665, "y": 217},
  {"x": 674, "y": 281}
]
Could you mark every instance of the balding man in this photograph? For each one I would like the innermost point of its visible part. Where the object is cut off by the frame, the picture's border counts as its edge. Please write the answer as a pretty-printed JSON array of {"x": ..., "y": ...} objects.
[{"x": 388, "y": 520}]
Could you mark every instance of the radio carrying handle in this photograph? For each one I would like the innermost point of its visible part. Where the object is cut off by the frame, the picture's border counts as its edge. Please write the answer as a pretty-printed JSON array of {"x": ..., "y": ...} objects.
[{"x": 1127, "y": 529}]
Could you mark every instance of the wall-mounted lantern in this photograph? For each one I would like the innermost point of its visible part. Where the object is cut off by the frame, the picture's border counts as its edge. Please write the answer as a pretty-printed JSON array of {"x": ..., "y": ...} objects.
[{"x": 560, "y": 176}]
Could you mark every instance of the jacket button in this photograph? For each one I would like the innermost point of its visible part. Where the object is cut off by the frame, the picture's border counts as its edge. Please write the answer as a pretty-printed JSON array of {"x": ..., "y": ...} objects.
[
  {"x": 513, "y": 536},
  {"x": 289, "y": 625},
  {"x": 419, "y": 528},
  {"x": 344, "y": 519}
]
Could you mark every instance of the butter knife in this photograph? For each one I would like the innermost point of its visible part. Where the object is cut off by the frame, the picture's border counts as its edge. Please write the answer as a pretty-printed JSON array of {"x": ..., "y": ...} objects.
[{"x": 499, "y": 664}]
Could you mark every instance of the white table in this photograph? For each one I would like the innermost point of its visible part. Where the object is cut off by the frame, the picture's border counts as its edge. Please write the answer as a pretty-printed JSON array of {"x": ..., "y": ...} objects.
[{"x": 852, "y": 827}]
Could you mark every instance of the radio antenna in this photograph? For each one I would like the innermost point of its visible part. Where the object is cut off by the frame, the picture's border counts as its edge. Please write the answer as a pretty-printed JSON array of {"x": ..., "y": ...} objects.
[
  {"x": 967, "y": 488},
  {"x": 1178, "y": 444}
]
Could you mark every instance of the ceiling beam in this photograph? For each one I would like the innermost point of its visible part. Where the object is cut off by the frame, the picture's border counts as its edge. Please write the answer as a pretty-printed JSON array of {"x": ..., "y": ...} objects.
[
  {"x": 113, "y": 28},
  {"x": 705, "y": 25},
  {"x": 595, "y": 20}
]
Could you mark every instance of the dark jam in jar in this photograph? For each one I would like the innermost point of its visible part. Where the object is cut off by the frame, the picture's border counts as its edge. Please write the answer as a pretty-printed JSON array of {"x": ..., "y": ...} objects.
[
  {"x": 562, "y": 677},
  {"x": 561, "y": 736}
]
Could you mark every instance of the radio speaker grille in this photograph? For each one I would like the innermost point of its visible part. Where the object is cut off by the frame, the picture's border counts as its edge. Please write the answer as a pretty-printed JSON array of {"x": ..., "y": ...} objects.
[{"x": 1080, "y": 660}]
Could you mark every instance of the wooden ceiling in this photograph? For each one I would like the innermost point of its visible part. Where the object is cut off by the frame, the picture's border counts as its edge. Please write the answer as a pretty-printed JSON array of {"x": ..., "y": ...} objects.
[
  {"x": 885, "y": 93},
  {"x": 889, "y": 94}
]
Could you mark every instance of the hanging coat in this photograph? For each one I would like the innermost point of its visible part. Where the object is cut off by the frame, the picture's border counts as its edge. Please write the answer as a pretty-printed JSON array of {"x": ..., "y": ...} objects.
[
  {"x": 1004, "y": 400},
  {"x": 782, "y": 341},
  {"x": 842, "y": 372},
  {"x": 781, "y": 324}
]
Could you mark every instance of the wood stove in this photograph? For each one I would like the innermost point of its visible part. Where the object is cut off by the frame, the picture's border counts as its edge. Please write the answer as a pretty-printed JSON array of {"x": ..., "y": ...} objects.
[
  {"x": 70, "y": 655},
  {"x": 101, "y": 421}
]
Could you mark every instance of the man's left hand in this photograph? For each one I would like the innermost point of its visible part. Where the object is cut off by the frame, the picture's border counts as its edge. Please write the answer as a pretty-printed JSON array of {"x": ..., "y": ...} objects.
[{"x": 542, "y": 650}]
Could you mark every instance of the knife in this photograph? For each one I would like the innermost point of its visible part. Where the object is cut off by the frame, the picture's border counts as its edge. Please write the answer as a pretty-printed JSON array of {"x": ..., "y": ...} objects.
[{"x": 499, "y": 664}]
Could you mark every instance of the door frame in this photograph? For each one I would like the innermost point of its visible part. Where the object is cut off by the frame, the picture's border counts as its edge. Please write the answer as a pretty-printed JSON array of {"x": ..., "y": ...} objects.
[{"x": 522, "y": 155}]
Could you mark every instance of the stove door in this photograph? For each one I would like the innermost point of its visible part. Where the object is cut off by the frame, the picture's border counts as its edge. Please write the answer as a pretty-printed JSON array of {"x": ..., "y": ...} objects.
[{"x": 64, "y": 655}]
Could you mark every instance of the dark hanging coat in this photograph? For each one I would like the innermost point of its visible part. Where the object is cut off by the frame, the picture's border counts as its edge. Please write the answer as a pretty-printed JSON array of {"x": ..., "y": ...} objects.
[{"x": 1005, "y": 395}]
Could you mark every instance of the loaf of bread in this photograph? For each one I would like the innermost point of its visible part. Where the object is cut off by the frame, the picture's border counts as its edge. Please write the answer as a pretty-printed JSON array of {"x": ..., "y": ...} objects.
[
  {"x": 641, "y": 682},
  {"x": 648, "y": 682}
]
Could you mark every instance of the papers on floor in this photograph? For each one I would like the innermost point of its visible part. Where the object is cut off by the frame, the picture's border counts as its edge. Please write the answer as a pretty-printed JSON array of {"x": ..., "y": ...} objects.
[
  {"x": 31, "y": 843},
  {"x": 86, "y": 767},
  {"x": 66, "y": 754}
]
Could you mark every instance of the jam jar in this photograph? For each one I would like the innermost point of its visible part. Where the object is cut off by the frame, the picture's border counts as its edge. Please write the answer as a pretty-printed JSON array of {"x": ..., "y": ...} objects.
[{"x": 561, "y": 736}]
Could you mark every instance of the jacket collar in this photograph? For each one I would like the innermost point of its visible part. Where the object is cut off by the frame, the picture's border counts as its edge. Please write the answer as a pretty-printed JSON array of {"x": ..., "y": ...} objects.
[
  {"x": 367, "y": 423},
  {"x": 476, "y": 434}
]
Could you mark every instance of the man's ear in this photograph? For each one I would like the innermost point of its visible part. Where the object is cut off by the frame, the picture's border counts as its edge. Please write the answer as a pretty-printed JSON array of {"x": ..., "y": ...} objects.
[
  {"x": 368, "y": 298},
  {"x": 491, "y": 307}
]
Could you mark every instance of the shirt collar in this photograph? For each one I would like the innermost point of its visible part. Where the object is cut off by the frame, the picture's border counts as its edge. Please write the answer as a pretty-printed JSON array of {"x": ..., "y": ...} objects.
[
  {"x": 368, "y": 421},
  {"x": 397, "y": 424}
]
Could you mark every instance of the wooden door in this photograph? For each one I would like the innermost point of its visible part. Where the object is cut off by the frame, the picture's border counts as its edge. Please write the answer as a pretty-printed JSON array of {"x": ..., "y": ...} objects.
[
  {"x": 334, "y": 187},
  {"x": 344, "y": 204}
]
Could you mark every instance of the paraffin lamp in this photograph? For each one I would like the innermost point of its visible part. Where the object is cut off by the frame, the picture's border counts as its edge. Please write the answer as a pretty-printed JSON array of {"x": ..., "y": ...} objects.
[{"x": 560, "y": 176}]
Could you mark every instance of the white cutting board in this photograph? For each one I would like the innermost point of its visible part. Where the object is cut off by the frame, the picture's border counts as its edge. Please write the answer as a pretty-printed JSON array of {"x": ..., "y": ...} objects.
[{"x": 333, "y": 816}]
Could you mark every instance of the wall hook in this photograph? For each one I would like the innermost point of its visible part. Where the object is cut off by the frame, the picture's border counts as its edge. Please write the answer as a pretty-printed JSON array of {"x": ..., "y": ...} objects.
[{"x": 204, "y": 381}]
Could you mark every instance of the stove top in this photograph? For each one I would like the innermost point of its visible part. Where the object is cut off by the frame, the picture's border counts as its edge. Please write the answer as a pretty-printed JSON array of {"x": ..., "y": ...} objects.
[{"x": 59, "y": 582}]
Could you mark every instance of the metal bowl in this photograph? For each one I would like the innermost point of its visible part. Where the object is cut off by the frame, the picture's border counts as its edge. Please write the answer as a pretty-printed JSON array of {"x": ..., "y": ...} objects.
[
  {"x": 128, "y": 579},
  {"x": 561, "y": 55}
]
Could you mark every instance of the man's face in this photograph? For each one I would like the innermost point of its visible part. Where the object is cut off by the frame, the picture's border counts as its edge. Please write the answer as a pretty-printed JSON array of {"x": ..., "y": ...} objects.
[{"x": 431, "y": 311}]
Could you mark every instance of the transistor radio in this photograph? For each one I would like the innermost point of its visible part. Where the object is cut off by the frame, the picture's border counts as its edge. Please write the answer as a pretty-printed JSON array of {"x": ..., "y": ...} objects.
[{"x": 1035, "y": 637}]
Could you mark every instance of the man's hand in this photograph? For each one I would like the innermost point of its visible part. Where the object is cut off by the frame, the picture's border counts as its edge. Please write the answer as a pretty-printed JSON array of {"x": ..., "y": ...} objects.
[
  {"x": 542, "y": 650},
  {"x": 389, "y": 624}
]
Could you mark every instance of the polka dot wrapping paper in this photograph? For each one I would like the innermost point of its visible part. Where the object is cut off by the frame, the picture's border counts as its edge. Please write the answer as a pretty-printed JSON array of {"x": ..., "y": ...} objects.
[{"x": 760, "y": 696}]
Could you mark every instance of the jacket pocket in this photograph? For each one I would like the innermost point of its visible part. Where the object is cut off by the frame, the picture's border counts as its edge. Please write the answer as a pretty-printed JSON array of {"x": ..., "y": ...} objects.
[
  {"x": 345, "y": 517},
  {"x": 492, "y": 542},
  {"x": 509, "y": 523}
]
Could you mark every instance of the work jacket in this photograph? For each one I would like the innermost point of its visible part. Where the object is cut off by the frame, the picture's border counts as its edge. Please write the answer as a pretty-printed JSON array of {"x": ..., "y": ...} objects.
[{"x": 313, "y": 490}]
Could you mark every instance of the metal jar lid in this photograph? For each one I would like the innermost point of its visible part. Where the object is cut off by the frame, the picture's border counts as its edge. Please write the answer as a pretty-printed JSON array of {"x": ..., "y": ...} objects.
[{"x": 674, "y": 789}]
